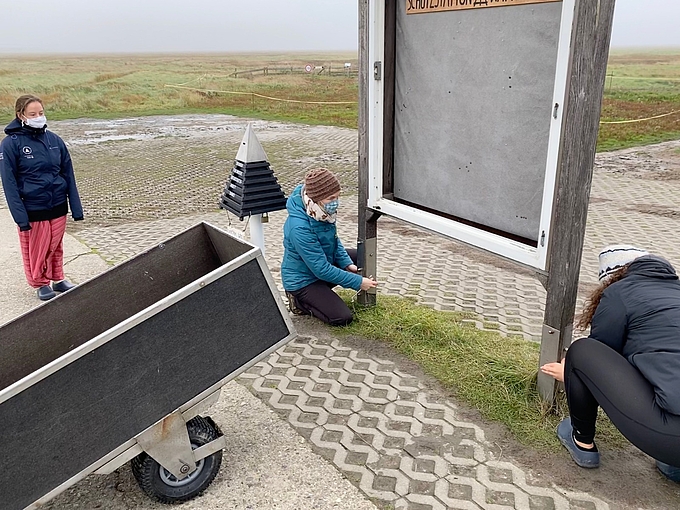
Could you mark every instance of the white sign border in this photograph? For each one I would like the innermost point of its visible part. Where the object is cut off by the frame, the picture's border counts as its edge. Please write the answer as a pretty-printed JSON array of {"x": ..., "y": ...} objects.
[{"x": 505, "y": 247}]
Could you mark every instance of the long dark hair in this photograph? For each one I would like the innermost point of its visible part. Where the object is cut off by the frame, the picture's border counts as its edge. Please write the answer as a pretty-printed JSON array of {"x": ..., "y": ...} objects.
[{"x": 593, "y": 300}]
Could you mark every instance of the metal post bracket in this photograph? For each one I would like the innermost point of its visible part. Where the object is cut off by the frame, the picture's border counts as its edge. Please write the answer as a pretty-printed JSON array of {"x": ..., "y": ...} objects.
[
  {"x": 167, "y": 442},
  {"x": 550, "y": 347}
]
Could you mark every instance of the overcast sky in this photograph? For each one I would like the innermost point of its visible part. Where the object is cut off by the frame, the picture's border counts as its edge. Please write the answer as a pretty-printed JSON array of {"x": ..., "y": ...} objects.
[{"x": 122, "y": 26}]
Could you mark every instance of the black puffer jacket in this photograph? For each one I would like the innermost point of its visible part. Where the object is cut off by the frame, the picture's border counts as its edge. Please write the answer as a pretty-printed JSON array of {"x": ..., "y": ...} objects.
[{"x": 639, "y": 316}]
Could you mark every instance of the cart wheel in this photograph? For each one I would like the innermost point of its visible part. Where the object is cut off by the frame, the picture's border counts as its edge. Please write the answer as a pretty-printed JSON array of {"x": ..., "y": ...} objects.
[{"x": 161, "y": 485}]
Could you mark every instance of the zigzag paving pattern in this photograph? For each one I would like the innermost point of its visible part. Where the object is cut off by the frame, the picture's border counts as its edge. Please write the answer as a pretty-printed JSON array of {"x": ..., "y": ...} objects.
[{"x": 394, "y": 439}]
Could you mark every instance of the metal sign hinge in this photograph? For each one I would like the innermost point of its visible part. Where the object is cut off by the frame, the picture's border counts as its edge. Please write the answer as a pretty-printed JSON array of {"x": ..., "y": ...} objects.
[{"x": 377, "y": 70}]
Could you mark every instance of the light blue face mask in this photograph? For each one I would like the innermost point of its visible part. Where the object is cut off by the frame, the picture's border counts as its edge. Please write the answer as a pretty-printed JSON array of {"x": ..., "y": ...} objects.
[{"x": 332, "y": 206}]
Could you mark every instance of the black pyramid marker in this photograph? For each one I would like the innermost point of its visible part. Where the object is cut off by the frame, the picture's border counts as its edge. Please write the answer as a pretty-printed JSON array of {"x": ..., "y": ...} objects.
[{"x": 252, "y": 187}]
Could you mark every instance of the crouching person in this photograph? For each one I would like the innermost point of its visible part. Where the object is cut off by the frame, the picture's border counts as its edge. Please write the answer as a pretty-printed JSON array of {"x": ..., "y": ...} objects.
[
  {"x": 314, "y": 259},
  {"x": 630, "y": 364}
]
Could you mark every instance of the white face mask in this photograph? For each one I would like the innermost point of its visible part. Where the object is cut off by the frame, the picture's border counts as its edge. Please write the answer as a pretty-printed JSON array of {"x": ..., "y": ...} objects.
[{"x": 36, "y": 122}]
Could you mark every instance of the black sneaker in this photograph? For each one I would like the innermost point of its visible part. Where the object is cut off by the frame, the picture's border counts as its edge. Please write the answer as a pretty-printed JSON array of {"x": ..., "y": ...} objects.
[
  {"x": 293, "y": 306},
  {"x": 62, "y": 286},
  {"x": 45, "y": 293},
  {"x": 583, "y": 458}
]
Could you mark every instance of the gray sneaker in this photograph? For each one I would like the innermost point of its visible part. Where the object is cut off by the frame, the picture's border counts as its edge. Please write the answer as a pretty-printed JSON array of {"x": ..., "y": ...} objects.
[{"x": 583, "y": 458}]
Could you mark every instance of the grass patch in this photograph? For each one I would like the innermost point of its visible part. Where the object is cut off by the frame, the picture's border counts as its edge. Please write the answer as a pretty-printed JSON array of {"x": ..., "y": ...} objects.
[
  {"x": 494, "y": 374},
  {"x": 111, "y": 86}
]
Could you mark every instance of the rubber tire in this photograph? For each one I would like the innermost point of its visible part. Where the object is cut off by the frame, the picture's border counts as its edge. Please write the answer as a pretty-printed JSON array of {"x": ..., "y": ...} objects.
[{"x": 147, "y": 471}]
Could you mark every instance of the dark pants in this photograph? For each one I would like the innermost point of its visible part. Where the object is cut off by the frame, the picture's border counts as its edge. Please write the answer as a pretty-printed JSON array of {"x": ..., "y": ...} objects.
[
  {"x": 596, "y": 375},
  {"x": 319, "y": 300}
]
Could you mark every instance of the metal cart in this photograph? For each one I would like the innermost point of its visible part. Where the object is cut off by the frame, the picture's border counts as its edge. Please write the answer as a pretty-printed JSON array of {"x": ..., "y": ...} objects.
[{"x": 120, "y": 368}]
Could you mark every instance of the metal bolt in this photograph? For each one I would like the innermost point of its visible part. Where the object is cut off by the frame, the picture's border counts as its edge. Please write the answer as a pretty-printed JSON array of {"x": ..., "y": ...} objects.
[{"x": 184, "y": 469}]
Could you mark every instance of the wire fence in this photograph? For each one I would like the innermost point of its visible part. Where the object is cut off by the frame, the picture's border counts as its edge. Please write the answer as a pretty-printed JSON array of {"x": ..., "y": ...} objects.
[{"x": 309, "y": 69}]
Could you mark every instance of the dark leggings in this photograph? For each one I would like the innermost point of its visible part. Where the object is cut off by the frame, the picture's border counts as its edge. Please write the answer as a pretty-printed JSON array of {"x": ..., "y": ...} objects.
[
  {"x": 595, "y": 374},
  {"x": 319, "y": 300}
]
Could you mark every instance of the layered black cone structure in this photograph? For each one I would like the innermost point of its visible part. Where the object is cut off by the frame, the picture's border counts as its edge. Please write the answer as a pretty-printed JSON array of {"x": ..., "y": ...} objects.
[{"x": 252, "y": 187}]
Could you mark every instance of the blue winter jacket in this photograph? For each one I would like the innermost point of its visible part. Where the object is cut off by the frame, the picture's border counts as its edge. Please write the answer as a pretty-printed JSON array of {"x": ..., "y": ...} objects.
[
  {"x": 312, "y": 250},
  {"x": 37, "y": 173}
]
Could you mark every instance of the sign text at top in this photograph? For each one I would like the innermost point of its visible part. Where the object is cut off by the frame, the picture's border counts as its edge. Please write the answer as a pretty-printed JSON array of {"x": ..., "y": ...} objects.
[{"x": 422, "y": 6}]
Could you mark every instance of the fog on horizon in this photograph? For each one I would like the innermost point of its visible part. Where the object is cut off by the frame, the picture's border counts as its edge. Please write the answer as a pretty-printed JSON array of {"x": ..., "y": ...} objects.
[{"x": 265, "y": 26}]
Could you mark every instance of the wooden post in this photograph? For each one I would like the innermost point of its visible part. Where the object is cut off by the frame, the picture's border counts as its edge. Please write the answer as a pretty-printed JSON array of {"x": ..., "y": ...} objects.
[
  {"x": 367, "y": 232},
  {"x": 586, "y": 80},
  {"x": 368, "y": 226}
]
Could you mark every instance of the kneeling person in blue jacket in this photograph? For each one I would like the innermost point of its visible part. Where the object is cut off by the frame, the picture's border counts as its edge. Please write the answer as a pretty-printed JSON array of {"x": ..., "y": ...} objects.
[{"x": 314, "y": 259}]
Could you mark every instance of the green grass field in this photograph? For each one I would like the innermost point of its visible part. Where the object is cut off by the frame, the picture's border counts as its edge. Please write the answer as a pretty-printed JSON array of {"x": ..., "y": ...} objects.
[
  {"x": 639, "y": 85},
  {"x": 115, "y": 86}
]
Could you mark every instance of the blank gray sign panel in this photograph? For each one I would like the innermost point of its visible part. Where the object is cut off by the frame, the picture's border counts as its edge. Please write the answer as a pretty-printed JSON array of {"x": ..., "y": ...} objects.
[{"x": 473, "y": 103}]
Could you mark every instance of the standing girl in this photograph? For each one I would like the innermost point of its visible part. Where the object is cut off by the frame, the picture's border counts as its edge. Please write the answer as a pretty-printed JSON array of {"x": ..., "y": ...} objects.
[{"x": 39, "y": 184}]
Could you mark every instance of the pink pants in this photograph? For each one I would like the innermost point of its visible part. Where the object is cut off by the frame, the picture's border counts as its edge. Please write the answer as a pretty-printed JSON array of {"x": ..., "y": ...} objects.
[{"x": 42, "y": 250}]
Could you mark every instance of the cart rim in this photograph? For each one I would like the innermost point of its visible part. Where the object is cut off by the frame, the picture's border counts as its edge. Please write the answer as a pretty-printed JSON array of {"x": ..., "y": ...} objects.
[{"x": 171, "y": 480}]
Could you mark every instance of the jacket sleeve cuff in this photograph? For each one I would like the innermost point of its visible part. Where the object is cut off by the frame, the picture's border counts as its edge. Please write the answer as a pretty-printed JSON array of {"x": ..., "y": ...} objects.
[
  {"x": 79, "y": 218},
  {"x": 24, "y": 228}
]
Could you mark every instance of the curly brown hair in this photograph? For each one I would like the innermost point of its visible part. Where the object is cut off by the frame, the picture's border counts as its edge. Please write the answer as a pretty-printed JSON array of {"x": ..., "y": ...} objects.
[{"x": 593, "y": 300}]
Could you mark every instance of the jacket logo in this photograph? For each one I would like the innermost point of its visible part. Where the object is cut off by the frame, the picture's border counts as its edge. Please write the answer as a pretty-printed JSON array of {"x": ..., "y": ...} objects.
[
  {"x": 1, "y": 156},
  {"x": 27, "y": 150}
]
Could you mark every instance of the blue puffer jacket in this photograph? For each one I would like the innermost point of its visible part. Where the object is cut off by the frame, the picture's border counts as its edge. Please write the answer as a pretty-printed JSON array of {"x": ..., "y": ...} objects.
[
  {"x": 37, "y": 173},
  {"x": 312, "y": 250}
]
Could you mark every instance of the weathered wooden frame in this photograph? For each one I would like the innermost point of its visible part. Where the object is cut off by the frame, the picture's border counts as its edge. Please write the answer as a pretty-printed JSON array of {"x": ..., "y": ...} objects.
[{"x": 557, "y": 265}]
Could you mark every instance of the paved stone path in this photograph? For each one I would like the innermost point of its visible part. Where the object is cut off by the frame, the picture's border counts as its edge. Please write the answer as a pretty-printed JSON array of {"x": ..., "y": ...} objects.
[
  {"x": 144, "y": 180},
  {"x": 390, "y": 436}
]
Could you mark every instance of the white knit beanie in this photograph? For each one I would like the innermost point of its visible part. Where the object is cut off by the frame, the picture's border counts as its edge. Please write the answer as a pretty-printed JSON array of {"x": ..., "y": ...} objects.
[{"x": 615, "y": 256}]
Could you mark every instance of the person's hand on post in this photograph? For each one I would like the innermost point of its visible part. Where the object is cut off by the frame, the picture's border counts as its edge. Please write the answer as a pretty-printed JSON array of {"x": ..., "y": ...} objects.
[
  {"x": 352, "y": 268},
  {"x": 554, "y": 370},
  {"x": 368, "y": 283}
]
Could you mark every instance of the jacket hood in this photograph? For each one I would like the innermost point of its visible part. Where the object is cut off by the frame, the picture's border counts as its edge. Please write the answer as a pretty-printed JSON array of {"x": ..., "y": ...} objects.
[
  {"x": 16, "y": 127},
  {"x": 652, "y": 266},
  {"x": 294, "y": 203}
]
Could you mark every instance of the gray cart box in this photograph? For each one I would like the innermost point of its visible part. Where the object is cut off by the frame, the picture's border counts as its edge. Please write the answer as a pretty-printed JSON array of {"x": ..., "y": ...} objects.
[{"x": 113, "y": 370}]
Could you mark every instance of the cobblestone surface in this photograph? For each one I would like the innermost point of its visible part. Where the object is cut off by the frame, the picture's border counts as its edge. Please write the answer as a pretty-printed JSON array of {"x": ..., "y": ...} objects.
[
  {"x": 390, "y": 436},
  {"x": 145, "y": 180}
]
